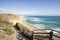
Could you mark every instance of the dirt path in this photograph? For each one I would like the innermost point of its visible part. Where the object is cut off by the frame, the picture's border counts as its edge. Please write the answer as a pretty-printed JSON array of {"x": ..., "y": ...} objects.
[{"x": 14, "y": 35}]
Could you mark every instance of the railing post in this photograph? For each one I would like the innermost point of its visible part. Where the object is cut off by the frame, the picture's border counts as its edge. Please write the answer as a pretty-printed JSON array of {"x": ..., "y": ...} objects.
[
  {"x": 51, "y": 35},
  {"x": 32, "y": 35}
]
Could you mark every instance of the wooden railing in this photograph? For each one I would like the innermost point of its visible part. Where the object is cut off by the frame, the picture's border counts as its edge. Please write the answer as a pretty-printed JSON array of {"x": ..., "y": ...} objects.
[{"x": 51, "y": 34}]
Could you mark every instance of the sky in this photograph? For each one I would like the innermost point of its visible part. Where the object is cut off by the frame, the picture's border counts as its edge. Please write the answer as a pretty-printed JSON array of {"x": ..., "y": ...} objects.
[{"x": 31, "y": 7}]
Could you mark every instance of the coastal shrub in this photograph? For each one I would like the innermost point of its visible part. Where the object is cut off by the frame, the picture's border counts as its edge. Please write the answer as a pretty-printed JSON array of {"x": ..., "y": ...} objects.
[
  {"x": 24, "y": 29},
  {"x": 8, "y": 30}
]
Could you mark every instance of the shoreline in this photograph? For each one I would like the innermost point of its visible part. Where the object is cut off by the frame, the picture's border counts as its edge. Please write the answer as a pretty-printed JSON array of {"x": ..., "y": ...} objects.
[
  {"x": 35, "y": 26},
  {"x": 29, "y": 26},
  {"x": 38, "y": 27}
]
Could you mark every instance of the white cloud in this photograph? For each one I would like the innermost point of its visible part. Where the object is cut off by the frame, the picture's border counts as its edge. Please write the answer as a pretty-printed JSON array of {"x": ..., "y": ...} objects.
[
  {"x": 30, "y": 12},
  {"x": 24, "y": 12}
]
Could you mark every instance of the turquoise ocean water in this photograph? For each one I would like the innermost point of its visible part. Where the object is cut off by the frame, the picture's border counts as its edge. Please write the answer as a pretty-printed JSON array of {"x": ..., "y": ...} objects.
[{"x": 44, "y": 22}]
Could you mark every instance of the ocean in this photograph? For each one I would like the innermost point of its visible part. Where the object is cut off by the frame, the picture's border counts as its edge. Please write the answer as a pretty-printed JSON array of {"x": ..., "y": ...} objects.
[{"x": 44, "y": 22}]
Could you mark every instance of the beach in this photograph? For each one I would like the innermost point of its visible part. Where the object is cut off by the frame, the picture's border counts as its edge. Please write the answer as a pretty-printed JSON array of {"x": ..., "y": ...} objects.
[{"x": 29, "y": 26}]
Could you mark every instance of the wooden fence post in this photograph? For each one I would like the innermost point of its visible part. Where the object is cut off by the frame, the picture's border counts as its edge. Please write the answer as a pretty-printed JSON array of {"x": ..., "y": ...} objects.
[
  {"x": 51, "y": 35},
  {"x": 32, "y": 35}
]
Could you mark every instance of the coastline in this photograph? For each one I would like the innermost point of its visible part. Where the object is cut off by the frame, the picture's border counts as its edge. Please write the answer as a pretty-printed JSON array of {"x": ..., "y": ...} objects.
[
  {"x": 29, "y": 26},
  {"x": 35, "y": 29},
  {"x": 35, "y": 26}
]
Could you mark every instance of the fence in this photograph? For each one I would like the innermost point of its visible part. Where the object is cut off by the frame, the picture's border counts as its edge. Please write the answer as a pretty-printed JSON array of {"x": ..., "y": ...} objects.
[{"x": 50, "y": 37}]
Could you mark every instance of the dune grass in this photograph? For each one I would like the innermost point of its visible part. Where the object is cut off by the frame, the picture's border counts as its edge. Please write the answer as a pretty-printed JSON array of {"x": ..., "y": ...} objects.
[{"x": 7, "y": 28}]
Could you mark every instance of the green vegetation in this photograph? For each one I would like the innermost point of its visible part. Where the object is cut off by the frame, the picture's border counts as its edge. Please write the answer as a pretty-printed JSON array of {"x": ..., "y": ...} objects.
[
  {"x": 8, "y": 30},
  {"x": 7, "y": 27},
  {"x": 24, "y": 29}
]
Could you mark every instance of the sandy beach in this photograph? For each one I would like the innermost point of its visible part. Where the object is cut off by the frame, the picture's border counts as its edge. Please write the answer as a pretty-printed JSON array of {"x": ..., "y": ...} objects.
[{"x": 29, "y": 26}]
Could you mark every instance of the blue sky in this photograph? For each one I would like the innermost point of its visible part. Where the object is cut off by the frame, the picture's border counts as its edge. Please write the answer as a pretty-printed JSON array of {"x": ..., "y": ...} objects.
[{"x": 31, "y": 7}]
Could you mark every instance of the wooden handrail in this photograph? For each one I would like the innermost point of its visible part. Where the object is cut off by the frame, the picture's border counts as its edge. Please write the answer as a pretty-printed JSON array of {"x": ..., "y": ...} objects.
[
  {"x": 50, "y": 33},
  {"x": 41, "y": 33}
]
